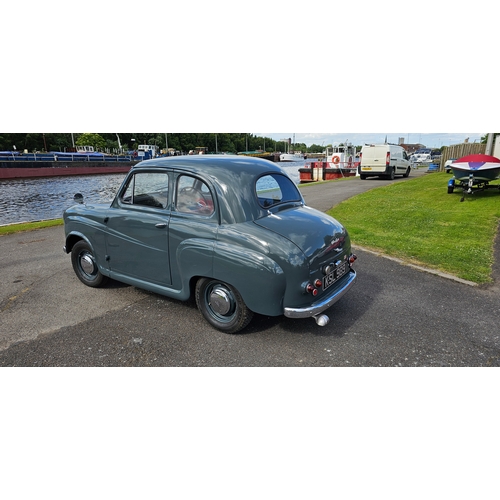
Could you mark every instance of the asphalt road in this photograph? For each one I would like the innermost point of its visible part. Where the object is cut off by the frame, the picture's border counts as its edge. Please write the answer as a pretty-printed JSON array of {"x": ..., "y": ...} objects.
[{"x": 395, "y": 315}]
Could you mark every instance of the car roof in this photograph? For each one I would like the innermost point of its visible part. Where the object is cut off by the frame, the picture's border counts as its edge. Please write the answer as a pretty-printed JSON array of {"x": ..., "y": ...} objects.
[
  {"x": 219, "y": 166},
  {"x": 233, "y": 176}
]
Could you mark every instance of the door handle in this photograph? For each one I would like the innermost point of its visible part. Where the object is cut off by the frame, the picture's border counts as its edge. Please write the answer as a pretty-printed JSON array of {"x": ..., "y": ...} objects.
[{"x": 161, "y": 225}]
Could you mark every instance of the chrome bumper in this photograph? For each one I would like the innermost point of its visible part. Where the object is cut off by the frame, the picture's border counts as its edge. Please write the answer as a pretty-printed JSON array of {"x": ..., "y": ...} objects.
[{"x": 319, "y": 307}]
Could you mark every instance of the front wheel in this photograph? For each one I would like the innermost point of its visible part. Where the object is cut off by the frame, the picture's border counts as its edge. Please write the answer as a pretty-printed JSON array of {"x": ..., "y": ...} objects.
[
  {"x": 222, "y": 305},
  {"x": 85, "y": 265},
  {"x": 407, "y": 173}
]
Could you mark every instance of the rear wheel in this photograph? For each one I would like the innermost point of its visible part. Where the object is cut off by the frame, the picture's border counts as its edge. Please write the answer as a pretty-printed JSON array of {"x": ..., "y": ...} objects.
[
  {"x": 222, "y": 305},
  {"x": 391, "y": 174},
  {"x": 85, "y": 265}
]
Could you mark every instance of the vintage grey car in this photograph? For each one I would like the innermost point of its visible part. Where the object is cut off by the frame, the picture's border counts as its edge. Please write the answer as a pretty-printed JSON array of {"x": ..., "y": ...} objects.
[{"x": 232, "y": 231}]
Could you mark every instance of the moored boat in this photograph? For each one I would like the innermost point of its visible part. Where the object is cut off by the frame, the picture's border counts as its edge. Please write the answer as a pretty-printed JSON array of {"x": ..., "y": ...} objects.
[
  {"x": 342, "y": 157},
  {"x": 291, "y": 155},
  {"x": 57, "y": 164},
  {"x": 340, "y": 161},
  {"x": 284, "y": 157}
]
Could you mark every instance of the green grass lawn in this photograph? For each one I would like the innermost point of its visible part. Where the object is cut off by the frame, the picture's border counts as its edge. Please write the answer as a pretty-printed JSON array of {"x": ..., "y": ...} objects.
[
  {"x": 28, "y": 226},
  {"x": 419, "y": 222}
]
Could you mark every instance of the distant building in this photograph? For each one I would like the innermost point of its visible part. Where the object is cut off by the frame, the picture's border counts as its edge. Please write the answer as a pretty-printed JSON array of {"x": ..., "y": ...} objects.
[{"x": 411, "y": 148}]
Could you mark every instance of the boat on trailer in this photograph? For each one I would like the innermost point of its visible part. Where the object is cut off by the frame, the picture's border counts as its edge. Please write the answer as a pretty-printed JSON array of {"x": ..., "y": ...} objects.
[{"x": 474, "y": 173}]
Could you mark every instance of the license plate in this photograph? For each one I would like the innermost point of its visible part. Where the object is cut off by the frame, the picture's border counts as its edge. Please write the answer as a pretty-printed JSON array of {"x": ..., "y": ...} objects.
[
  {"x": 337, "y": 273},
  {"x": 366, "y": 168}
]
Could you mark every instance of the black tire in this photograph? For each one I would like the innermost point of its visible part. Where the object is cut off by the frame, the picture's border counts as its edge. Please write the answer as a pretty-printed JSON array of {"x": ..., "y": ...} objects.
[
  {"x": 407, "y": 173},
  {"x": 450, "y": 189},
  {"x": 391, "y": 174},
  {"x": 222, "y": 305},
  {"x": 85, "y": 265},
  {"x": 362, "y": 177}
]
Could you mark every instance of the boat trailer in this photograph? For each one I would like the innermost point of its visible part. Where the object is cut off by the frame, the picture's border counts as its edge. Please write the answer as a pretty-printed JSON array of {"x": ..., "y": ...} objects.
[{"x": 470, "y": 186}]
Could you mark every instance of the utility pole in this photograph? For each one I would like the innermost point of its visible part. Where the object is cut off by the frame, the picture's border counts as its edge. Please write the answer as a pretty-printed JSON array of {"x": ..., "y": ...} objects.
[{"x": 489, "y": 144}]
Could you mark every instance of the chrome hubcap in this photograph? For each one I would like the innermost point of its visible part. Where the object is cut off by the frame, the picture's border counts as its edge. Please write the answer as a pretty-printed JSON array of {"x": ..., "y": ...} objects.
[
  {"x": 87, "y": 264},
  {"x": 220, "y": 300}
]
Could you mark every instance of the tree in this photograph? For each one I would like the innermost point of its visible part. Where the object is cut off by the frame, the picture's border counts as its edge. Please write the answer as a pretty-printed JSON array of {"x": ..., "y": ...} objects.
[
  {"x": 94, "y": 140},
  {"x": 315, "y": 148}
]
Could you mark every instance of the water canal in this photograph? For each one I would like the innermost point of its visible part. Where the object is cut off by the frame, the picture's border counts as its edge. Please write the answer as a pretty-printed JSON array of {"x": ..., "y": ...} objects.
[{"x": 26, "y": 200}]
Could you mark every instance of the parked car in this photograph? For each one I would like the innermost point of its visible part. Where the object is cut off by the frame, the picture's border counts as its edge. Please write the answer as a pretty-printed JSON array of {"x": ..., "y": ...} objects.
[
  {"x": 421, "y": 156},
  {"x": 233, "y": 232},
  {"x": 447, "y": 165}
]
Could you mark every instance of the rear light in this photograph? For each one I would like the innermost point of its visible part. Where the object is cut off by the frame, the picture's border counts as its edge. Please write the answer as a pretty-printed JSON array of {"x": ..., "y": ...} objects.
[
  {"x": 310, "y": 289},
  {"x": 352, "y": 258},
  {"x": 388, "y": 159}
]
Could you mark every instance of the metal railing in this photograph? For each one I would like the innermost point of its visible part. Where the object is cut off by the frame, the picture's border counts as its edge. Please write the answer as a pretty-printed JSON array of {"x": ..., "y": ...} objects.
[{"x": 64, "y": 157}]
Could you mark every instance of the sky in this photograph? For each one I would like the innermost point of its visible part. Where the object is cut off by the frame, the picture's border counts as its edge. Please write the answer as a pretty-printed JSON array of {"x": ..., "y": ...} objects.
[{"x": 430, "y": 140}]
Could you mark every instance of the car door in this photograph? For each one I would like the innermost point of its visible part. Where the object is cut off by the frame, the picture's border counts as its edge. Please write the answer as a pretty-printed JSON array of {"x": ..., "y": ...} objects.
[
  {"x": 138, "y": 225},
  {"x": 193, "y": 228},
  {"x": 400, "y": 163}
]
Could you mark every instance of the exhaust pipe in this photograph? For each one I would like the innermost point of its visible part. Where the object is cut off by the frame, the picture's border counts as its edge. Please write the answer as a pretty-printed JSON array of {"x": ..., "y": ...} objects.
[{"x": 321, "y": 319}]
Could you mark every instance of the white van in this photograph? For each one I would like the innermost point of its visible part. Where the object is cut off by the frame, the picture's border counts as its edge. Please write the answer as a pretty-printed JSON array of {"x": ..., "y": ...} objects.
[{"x": 383, "y": 160}]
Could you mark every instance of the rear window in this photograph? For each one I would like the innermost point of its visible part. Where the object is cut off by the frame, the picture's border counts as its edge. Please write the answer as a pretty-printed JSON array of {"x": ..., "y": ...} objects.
[{"x": 273, "y": 189}]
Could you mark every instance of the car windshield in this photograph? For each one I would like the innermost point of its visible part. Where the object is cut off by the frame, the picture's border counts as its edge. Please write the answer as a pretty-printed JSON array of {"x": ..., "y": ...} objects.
[{"x": 273, "y": 189}]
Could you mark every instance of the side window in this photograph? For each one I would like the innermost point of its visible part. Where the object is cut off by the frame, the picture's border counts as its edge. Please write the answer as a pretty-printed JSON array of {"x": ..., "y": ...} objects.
[
  {"x": 148, "y": 189},
  {"x": 193, "y": 196},
  {"x": 273, "y": 189}
]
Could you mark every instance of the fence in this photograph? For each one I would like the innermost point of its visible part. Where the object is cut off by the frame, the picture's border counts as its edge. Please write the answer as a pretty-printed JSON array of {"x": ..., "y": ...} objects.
[{"x": 459, "y": 150}]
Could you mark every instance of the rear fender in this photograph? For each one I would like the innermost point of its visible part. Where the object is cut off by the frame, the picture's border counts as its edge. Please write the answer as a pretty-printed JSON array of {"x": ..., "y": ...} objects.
[{"x": 259, "y": 279}]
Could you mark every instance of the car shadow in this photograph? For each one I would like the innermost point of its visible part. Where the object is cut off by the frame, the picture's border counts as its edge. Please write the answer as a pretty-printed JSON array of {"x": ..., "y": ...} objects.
[
  {"x": 113, "y": 284},
  {"x": 343, "y": 314}
]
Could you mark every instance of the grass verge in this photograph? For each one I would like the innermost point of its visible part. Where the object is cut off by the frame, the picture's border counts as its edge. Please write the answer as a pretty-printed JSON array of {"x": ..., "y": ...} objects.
[
  {"x": 419, "y": 222},
  {"x": 29, "y": 226}
]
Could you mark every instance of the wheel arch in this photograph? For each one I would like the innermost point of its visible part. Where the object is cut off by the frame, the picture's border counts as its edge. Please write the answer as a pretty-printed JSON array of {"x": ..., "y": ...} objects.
[
  {"x": 259, "y": 279},
  {"x": 72, "y": 239}
]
